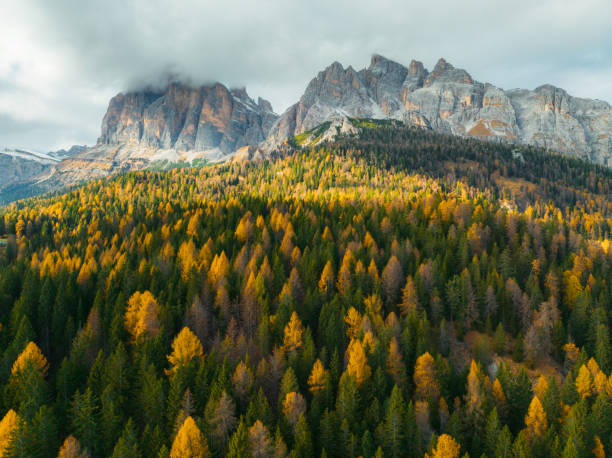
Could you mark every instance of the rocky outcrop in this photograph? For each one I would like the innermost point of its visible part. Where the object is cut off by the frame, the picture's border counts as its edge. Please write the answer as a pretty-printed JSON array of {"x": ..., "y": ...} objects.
[
  {"x": 448, "y": 99},
  {"x": 184, "y": 118},
  {"x": 178, "y": 123}
]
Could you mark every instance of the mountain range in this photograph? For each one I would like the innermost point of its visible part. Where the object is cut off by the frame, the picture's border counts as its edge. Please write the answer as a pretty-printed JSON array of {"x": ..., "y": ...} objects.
[{"x": 212, "y": 123}]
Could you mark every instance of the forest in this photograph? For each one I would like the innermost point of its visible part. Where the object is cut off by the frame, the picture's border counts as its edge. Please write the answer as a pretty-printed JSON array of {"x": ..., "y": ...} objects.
[{"x": 392, "y": 293}]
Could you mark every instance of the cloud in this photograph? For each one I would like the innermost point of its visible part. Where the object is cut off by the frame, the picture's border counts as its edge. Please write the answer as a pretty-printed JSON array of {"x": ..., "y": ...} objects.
[{"x": 64, "y": 59}]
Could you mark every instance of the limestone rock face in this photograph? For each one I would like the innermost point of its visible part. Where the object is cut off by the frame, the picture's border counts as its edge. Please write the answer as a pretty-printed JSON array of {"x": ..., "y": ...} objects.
[
  {"x": 178, "y": 123},
  {"x": 183, "y": 118},
  {"x": 448, "y": 99}
]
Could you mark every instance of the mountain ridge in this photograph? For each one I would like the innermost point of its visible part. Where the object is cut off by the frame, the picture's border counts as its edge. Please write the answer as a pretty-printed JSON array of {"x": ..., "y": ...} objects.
[
  {"x": 449, "y": 100},
  {"x": 211, "y": 123}
]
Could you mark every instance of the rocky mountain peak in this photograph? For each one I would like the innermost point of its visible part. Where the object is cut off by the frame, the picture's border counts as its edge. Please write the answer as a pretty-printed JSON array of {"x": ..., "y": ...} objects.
[
  {"x": 444, "y": 71},
  {"x": 377, "y": 59},
  {"x": 416, "y": 68},
  {"x": 186, "y": 118},
  {"x": 549, "y": 89},
  {"x": 449, "y": 100},
  {"x": 380, "y": 65},
  {"x": 442, "y": 66},
  {"x": 240, "y": 92},
  {"x": 264, "y": 105}
]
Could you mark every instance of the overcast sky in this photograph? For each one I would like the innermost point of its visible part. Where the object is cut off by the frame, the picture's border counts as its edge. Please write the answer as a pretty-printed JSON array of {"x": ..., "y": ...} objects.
[{"x": 61, "y": 60}]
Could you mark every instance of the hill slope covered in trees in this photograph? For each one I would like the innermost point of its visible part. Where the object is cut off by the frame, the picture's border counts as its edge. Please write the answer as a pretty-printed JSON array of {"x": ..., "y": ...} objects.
[{"x": 392, "y": 294}]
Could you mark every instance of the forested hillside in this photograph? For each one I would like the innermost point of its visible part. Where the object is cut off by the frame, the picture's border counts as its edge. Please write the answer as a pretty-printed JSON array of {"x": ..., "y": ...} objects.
[{"x": 399, "y": 293}]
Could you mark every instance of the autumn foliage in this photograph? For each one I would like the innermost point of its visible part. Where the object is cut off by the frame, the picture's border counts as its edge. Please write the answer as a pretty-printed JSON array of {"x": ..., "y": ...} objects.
[
  {"x": 141, "y": 317},
  {"x": 392, "y": 293}
]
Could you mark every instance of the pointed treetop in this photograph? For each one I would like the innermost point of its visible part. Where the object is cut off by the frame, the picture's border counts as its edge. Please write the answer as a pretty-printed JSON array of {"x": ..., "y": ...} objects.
[{"x": 31, "y": 354}]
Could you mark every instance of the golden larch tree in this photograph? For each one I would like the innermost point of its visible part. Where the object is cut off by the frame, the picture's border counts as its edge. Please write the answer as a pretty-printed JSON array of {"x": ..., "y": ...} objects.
[
  {"x": 541, "y": 387},
  {"x": 219, "y": 268},
  {"x": 446, "y": 447},
  {"x": 31, "y": 355},
  {"x": 189, "y": 442},
  {"x": 353, "y": 322},
  {"x": 71, "y": 448},
  {"x": 294, "y": 405},
  {"x": 425, "y": 380},
  {"x": 593, "y": 367},
  {"x": 185, "y": 347},
  {"x": 598, "y": 450},
  {"x": 343, "y": 282},
  {"x": 294, "y": 330},
  {"x": 187, "y": 257},
  {"x": 535, "y": 420},
  {"x": 499, "y": 396},
  {"x": 410, "y": 298},
  {"x": 141, "y": 317},
  {"x": 600, "y": 382},
  {"x": 584, "y": 382},
  {"x": 326, "y": 282},
  {"x": 286, "y": 246},
  {"x": 8, "y": 427},
  {"x": 317, "y": 378},
  {"x": 358, "y": 362},
  {"x": 474, "y": 397}
]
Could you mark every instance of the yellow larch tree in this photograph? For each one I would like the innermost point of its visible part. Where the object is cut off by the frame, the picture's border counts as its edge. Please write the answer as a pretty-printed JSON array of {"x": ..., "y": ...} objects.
[
  {"x": 286, "y": 246},
  {"x": 598, "y": 450},
  {"x": 474, "y": 396},
  {"x": 141, "y": 317},
  {"x": 373, "y": 272},
  {"x": 584, "y": 382},
  {"x": 410, "y": 298},
  {"x": 446, "y": 447},
  {"x": 343, "y": 282},
  {"x": 245, "y": 228},
  {"x": 499, "y": 396},
  {"x": 571, "y": 353},
  {"x": 8, "y": 427},
  {"x": 219, "y": 268},
  {"x": 593, "y": 367},
  {"x": 425, "y": 380},
  {"x": 31, "y": 355},
  {"x": 535, "y": 420},
  {"x": 326, "y": 282},
  {"x": 540, "y": 387},
  {"x": 185, "y": 347},
  {"x": 294, "y": 330},
  {"x": 600, "y": 381},
  {"x": 189, "y": 442},
  {"x": 317, "y": 378},
  {"x": 71, "y": 448},
  {"x": 294, "y": 405},
  {"x": 358, "y": 362},
  {"x": 188, "y": 258},
  {"x": 353, "y": 322}
]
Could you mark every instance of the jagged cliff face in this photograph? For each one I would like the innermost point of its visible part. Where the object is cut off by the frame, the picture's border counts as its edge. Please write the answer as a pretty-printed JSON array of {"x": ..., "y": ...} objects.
[
  {"x": 179, "y": 123},
  {"x": 183, "y": 118},
  {"x": 447, "y": 99}
]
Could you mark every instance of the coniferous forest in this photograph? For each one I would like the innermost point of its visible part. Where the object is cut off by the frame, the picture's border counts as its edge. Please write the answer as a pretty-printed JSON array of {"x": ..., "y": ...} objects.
[{"x": 392, "y": 293}]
